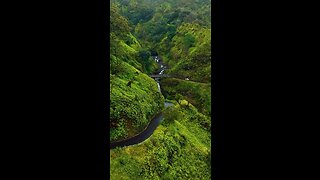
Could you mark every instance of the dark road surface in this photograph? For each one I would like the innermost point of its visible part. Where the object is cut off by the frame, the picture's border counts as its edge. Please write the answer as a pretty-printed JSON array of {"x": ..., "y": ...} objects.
[
  {"x": 146, "y": 133},
  {"x": 140, "y": 137}
]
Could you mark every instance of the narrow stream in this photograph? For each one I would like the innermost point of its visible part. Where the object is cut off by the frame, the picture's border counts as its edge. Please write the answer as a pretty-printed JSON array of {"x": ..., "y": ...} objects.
[
  {"x": 161, "y": 71},
  {"x": 145, "y": 134}
]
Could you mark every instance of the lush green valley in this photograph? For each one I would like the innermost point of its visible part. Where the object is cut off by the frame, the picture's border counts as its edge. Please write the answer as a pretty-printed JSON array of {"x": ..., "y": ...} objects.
[
  {"x": 131, "y": 106},
  {"x": 180, "y": 148},
  {"x": 178, "y": 31}
]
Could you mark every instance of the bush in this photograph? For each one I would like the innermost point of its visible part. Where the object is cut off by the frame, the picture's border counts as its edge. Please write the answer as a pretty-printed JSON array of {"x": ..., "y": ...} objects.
[
  {"x": 116, "y": 66},
  {"x": 188, "y": 40},
  {"x": 171, "y": 113}
]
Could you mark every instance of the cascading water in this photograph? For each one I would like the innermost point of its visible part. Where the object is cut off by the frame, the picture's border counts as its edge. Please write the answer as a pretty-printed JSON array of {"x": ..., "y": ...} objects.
[
  {"x": 158, "y": 86},
  {"x": 152, "y": 125},
  {"x": 162, "y": 68}
]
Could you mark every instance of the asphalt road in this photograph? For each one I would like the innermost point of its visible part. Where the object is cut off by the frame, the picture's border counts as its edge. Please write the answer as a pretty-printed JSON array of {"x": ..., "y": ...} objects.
[
  {"x": 148, "y": 131},
  {"x": 140, "y": 137}
]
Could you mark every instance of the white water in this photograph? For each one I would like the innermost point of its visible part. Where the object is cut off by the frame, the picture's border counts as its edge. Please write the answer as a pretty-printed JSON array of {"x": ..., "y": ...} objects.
[
  {"x": 158, "y": 86},
  {"x": 156, "y": 58},
  {"x": 162, "y": 67}
]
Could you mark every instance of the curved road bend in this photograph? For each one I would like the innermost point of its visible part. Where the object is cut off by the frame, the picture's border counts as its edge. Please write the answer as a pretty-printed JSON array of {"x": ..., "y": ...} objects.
[
  {"x": 145, "y": 134},
  {"x": 140, "y": 137}
]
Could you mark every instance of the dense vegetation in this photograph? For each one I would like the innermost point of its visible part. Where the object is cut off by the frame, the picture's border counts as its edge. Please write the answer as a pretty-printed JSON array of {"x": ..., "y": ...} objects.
[
  {"x": 178, "y": 149},
  {"x": 196, "y": 93},
  {"x": 180, "y": 32},
  {"x": 190, "y": 55},
  {"x": 134, "y": 96}
]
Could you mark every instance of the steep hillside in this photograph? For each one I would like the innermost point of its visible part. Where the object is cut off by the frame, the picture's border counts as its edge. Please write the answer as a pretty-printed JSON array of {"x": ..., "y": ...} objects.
[
  {"x": 134, "y": 96},
  {"x": 198, "y": 94},
  {"x": 189, "y": 53},
  {"x": 178, "y": 149},
  {"x": 179, "y": 32}
]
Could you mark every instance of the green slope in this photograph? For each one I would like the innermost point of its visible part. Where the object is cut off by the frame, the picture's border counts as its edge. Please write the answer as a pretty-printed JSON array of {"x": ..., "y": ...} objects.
[
  {"x": 180, "y": 31},
  {"x": 131, "y": 107},
  {"x": 178, "y": 149}
]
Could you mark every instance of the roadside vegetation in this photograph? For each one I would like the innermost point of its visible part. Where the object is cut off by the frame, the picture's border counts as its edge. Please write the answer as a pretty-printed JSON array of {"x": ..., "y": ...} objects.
[
  {"x": 134, "y": 96},
  {"x": 180, "y": 148},
  {"x": 179, "y": 31}
]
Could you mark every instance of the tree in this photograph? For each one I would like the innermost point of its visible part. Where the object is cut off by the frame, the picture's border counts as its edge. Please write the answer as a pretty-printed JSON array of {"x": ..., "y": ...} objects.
[
  {"x": 178, "y": 97},
  {"x": 116, "y": 65},
  {"x": 172, "y": 114},
  {"x": 118, "y": 24},
  {"x": 171, "y": 31},
  {"x": 188, "y": 40},
  {"x": 144, "y": 57}
]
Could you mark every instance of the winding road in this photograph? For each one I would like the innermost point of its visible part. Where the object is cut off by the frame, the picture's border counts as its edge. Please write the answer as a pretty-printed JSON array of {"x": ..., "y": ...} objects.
[{"x": 148, "y": 131}]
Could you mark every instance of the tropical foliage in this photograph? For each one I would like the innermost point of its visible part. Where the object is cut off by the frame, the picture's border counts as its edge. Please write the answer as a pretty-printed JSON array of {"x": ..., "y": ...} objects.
[
  {"x": 134, "y": 96},
  {"x": 180, "y": 148},
  {"x": 179, "y": 31}
]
